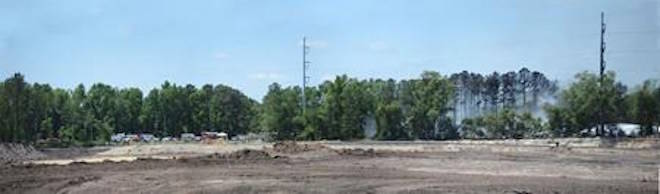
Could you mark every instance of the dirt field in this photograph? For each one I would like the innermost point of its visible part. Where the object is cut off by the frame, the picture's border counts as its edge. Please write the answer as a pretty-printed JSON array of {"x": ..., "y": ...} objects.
[{"x": 530, "y": 166}]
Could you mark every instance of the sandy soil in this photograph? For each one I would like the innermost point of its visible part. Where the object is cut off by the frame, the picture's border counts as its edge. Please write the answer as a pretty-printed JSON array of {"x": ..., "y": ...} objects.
[{"x": 340, "y": 167}]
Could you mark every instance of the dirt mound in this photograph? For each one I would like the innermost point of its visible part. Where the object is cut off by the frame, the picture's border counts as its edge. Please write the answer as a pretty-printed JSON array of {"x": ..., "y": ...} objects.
[
  {"x": 245, "y": 154},
  {"x": 72, "y": 152},
  {"x": 14, "y": 153},
  {"x": 358, "y": 152},
  {"x": 291, "y": 147}
]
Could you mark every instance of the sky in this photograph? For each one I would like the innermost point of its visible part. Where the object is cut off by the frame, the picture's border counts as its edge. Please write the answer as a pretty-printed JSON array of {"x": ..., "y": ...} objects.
[{"x": 249, "y": 44}]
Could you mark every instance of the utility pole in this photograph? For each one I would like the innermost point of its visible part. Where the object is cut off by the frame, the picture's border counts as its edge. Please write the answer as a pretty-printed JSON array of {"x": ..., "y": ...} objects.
[
  {"x": 601, "y": 113},
  {"x": 305, "y": 66}
]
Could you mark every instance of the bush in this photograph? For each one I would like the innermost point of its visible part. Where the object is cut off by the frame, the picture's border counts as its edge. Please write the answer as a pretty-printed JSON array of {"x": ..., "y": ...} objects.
[{"x": 502, "y": 124}]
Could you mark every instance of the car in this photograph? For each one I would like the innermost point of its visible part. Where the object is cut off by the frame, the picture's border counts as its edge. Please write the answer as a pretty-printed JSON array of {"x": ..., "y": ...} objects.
[
  {"x": 166, "y": 139},
  {"x": 118, "y": 137},
  {"x": 214, "y": 135},
  {"x": 187, "y": 137},
  {"x": 146, "y": 137},
  {"x": 131, "y": 137}
]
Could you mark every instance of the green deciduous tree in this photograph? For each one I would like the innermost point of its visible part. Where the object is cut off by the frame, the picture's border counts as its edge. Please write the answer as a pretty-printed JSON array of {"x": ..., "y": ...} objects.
[
  {"x": 492, "y": 106},
  {"x": 345, "y": 106},
  {"x": 281, "y": 107},
  {"x": 579, "y": 104},
  {"x": 16, "y": 92},
  {"x": 389, "y": 114},
  {"x": 645, "y": 107},
  {"x": 128, "y": 105},
  {"x": 427, "y": 100}
]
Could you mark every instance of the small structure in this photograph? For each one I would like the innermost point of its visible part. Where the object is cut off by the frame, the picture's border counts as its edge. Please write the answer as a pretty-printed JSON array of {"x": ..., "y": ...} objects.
[
  {"x": 146, "y": 137},
  {"x": 117, "y": 137},
  {"x": 252, "y": 137},
  {"x": 188, "y": 137},
  {"x": 212, "y": 136},
  {"x": 223, "y": 136},
  {"x": 209, "y": 135},
  {"x": 131, "y": 137},
  {"x": 616, "y": 129},
  {"x": 166, "y": 139}
]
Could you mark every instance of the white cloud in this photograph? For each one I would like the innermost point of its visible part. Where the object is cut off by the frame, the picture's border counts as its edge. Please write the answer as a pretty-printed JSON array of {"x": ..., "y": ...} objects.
[{"x": 265, "y": 76}]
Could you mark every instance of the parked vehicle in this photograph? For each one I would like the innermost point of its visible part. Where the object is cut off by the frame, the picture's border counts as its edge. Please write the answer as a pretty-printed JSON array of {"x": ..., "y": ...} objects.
[
  {"x": 131, "y": 137},
  {"x": 117, "y": 137},
  {"x": 146, "y": 137},
  {"x": 214, "y": 135},
  {"x": 166, "y": 139},
  {"x": 187, "y": 137}
]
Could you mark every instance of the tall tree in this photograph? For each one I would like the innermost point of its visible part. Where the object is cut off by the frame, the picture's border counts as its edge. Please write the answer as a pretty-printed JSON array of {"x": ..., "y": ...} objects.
[
  {"x": 79, "y": 119},
  {"x": 128, "y": 106},
  {"x": 231, "y": 110},
  {"x": 509, "y": 89},
  {"x": 313, "y": 117},
  {"x": 151, "y": 114},
  {"x": 280, "y": 108},
  {"x": 579, "y": 103},
  {"x": 39, "y": 112},
  {"x": 389, "y": 114},
  {"x": 428, "y": 104},
  {"x": 100, "y": 104},
  {"x": 200, "y": 101},
  {"x": 525, "y": 83},
  {"x": 346, "y": 106},
  {"x": 61, "y": 111},
  {"x": 17, "y": 94},
  {"x": 492, "y": 90},
  {"x": 644, "y": 108}
]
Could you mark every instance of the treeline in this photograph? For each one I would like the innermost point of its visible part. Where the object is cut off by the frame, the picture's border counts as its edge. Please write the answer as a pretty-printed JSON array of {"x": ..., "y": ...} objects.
[
  {"x": 432, "y": 106},
  {"x": 578, "y": 111},
  {"x": 428, "y": 107},
  {"x": 32, "y": 112},
  {"x": 580, "y": 105},
  {"x": 347, "y": 108},
  {"x": 522, "y": 104},
  {"x": 478, "y": 95}
]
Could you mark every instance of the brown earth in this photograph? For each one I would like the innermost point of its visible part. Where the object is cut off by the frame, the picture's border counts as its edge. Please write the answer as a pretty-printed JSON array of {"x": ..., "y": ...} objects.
[
  {"x": 245, "y": 154},
  {"x": 361, "y": 167},
  {"x": 13, "y": 153},
  {"x": 292, "y": 147}
]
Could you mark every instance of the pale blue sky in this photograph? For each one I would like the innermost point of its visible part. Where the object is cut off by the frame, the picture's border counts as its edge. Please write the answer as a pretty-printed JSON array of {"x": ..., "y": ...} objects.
[{"x": 249, "y": 44}]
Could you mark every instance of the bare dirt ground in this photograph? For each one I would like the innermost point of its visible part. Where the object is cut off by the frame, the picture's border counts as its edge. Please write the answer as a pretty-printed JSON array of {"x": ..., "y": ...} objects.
[{"x": 529, "y": 166}]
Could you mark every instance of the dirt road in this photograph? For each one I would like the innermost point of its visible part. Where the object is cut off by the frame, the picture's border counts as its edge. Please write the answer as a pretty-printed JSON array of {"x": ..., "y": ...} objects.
[{"x": 354, "y": 168}]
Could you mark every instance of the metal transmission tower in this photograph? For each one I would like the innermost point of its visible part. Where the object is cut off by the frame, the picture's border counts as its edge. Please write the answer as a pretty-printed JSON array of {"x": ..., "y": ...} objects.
[
  {"x": 601, "y": 113},
  {"x": 305, "y": 66}
]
